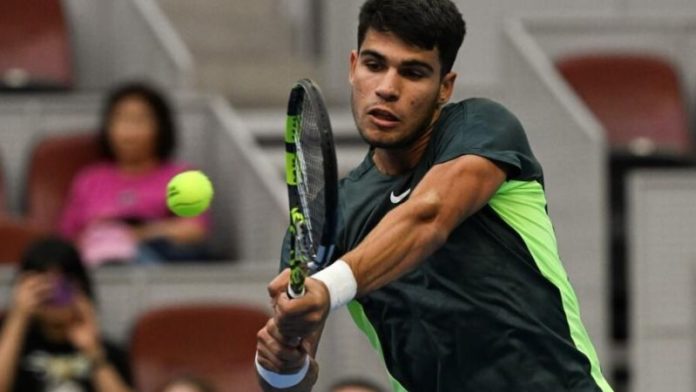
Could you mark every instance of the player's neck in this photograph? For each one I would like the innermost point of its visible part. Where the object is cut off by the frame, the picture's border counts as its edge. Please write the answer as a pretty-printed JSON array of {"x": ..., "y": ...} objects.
[{"x": 394, "y": 162}]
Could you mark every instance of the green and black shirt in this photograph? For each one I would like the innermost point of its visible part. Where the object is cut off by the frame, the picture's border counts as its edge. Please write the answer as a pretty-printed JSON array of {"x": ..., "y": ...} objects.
[{"x": 492, "y": 310}]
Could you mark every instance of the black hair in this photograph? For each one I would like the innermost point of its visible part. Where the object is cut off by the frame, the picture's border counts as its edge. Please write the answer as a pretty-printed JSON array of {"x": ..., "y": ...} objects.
[
  {"x": 356, "y": 382},
  {"x": 426, "y": 24},
  {"x": 166, "y": 129},
  {"x": 53, "y": 253}
]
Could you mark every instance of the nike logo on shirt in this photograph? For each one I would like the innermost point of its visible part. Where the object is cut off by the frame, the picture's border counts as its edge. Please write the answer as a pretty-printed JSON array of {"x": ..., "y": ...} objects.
[{"x": 397, "y": 199}]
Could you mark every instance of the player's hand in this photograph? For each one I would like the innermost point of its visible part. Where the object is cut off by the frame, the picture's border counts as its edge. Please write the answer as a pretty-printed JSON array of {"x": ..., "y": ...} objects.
[
  {"x": 299, "y": 317},
  {"x": 276, "y": 353},
  {"x": 31, "y": 290}
]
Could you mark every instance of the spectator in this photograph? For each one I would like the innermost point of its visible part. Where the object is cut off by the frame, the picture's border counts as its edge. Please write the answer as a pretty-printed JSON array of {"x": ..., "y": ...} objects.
[
  {"x": 355, "y": 385},
  {"x": 50, "y": 339},
  {"x": 116, "y": 209},
  {"x": 187, "y": 384}
]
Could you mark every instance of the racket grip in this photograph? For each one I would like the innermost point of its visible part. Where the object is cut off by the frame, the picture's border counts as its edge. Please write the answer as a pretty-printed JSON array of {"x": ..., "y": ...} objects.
[
  {"x": 292, "y": 293},
  {"x": 296, "y": 286}
]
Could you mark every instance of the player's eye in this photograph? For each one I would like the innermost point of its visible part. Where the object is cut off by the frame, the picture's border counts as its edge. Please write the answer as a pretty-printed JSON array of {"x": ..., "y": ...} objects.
[
  {"x": 414, "y": 74},
  {"x": 372, "y": 65}
]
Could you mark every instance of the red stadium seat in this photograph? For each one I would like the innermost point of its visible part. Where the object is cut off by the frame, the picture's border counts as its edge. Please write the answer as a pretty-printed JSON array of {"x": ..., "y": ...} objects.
[
  {"x": 215, "y": 342},
  {"x": 3, "y": 198},
  {"x": 637, "y": 98},
  {"x": 53, "y": 163},
  {"x": 34, "y": 45},
  {"x": 16, "y": 236}
]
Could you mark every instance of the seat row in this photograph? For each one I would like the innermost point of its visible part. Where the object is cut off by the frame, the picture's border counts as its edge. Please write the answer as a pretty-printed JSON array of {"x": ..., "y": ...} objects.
[{"x": 53, "y": 163}]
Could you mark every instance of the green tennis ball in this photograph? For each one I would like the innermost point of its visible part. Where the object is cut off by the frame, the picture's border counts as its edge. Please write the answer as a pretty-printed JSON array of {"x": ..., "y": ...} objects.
[{"x": 189, "y": 193}]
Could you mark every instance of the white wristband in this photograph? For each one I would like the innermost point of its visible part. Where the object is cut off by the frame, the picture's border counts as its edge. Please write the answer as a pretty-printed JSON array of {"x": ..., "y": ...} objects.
[
  {"x": 339, "y": 279},
  {"x": 277, "y": 380}
]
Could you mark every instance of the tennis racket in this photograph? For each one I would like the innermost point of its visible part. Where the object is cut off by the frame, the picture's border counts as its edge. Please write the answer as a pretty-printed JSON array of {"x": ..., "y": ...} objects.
[{"x": 312, "y": 180}]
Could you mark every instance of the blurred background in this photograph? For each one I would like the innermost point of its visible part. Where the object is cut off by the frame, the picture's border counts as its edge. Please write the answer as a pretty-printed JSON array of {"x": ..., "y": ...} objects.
[{"x": 606, "y": 90}]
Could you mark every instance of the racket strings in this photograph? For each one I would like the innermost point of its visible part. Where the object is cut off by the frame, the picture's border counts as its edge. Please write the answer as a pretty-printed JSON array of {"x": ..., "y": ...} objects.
[{"x": 311, "y": 163}]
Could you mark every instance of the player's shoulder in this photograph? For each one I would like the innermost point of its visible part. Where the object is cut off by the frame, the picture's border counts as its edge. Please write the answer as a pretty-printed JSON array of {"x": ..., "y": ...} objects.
[
  {"x": 480, "y": 119},
  {"x": 475, "y": 109}
]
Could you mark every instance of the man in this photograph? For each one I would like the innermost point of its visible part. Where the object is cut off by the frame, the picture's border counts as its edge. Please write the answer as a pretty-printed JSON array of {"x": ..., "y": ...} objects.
[{"x": 447, "y": 255}]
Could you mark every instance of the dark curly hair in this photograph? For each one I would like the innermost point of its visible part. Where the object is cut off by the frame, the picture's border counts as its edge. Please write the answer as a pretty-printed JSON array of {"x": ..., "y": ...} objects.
[{"x": 426, "y": 24}]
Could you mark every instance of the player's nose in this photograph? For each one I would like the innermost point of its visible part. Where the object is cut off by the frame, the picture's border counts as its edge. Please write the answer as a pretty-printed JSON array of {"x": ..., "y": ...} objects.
[{"x": 388, "y": 87}]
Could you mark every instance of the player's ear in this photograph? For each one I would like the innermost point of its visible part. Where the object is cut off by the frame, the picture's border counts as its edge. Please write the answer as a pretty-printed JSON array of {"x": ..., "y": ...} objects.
[
  {"x": 353, "y": 64},
  {"x": 447, "y": 87}
]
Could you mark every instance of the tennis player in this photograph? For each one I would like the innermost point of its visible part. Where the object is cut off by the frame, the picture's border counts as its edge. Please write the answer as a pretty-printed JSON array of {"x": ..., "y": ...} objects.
[{"x": 448, "y": 259}]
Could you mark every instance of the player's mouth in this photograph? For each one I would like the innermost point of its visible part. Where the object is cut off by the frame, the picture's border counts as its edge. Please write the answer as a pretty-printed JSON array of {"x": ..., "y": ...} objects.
[{"x": 383, "y": 118}]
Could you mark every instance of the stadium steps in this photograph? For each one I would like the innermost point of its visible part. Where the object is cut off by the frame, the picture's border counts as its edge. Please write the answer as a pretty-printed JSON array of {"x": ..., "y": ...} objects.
[
  {"x": 268, "y": 126},
  {"x": 243, "y": 49}
]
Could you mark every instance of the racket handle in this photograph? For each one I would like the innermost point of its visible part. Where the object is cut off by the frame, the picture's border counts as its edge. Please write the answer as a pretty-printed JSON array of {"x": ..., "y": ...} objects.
[
  {"x": 296, "y": 286},
  {"x": 292, "y": 293}
]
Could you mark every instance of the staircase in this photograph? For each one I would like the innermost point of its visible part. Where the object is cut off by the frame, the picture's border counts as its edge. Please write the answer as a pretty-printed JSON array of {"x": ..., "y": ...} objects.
[
  {"x": 243, "y": 49},
  {"x": 269, "y": 124}
]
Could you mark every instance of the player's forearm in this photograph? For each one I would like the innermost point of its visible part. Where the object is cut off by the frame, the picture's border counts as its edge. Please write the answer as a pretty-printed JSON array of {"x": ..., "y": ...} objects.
[
  {"x": 398, "y": 244},
  {"x": 447, "y": 195},
  {"x": 11, "y": 340}
]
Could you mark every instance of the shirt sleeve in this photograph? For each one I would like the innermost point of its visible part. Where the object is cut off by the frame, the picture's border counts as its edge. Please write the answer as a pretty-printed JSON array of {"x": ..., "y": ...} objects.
[{"x": 485, "y": 128}]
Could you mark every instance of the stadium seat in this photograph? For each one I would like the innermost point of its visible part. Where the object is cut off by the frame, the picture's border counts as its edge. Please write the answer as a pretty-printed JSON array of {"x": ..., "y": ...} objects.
[
  {"x": 638, "y": 100},
  {"x": 215, "y": 342},
  {"x": 16, "y": 236},
  {"x": 3, "y": 198},
  {"x": 54, "y": 161},
  {"x": 35, "y": 46}
]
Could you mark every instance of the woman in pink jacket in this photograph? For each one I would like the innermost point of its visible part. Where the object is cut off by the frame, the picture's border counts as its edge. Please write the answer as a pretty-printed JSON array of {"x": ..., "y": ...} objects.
[{"x": 116, "y": 210}]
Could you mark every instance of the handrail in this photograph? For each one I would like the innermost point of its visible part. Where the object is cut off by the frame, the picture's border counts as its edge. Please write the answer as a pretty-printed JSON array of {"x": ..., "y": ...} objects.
[
  {"x": 170, "y": 40},
  {"x": 516, "y": 32},
  {"x": 251, "y": 151}
]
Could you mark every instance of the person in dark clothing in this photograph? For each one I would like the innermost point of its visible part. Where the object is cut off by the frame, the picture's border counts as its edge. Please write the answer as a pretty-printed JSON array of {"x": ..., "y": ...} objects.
[
  {"x": 446, "y": 256},
  {"x": 50, "y": 338}
]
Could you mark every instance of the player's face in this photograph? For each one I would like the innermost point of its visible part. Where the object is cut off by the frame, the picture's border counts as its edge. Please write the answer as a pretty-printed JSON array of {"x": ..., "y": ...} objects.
[
  {"x": 133, "y": 131},
  {"x": 397, "y": 90}
]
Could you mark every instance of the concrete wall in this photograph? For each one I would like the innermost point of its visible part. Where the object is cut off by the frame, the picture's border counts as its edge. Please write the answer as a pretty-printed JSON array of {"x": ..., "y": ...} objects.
[
  {"x": 662, "y": 249},
  {"x": 480, "y": 62},
  {"x": 116, "y": 40}
]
